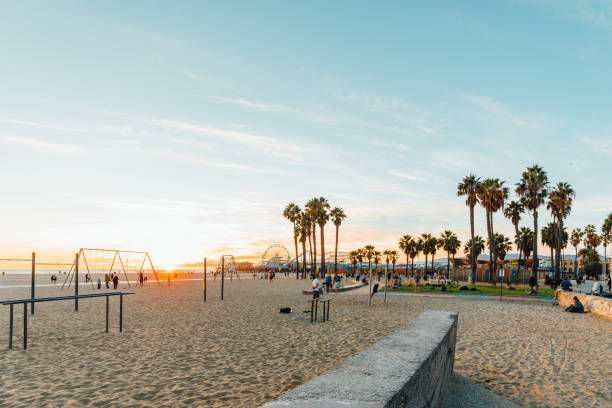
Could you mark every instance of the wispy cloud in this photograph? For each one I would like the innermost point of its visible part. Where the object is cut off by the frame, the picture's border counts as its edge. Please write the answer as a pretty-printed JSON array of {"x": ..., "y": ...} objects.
[
  {"x": 498, "y": 109},
  {"x": 391, "y": 145},
  {"x": 594, "y": 12},
  {"x": 256, "y": 105},
  {"x": 40, "y": 125},
  {"x": 413, "y": 177},
  {"x": 41, "y": 144},
  {"x": 598, "y": 146}
]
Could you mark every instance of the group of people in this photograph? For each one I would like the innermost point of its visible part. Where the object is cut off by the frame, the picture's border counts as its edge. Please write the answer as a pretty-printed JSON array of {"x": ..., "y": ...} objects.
[
  {"x": 330, "y": 285},
  {"x": 111, "y": 277},
  {"x": 577, "y": 306}
]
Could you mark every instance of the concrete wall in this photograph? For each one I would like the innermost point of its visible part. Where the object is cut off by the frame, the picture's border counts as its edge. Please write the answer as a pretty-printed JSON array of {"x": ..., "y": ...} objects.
[
  {"x": 410, "y": 368},
  {"x": 597, "y": 305}
]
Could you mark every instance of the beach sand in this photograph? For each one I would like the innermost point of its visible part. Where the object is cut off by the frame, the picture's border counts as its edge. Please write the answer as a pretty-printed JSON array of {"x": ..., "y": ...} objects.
[{"x": 178, "y": 351}]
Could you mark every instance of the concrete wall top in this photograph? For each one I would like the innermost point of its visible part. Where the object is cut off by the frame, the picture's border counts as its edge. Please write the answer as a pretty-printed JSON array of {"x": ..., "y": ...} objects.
[{"x": 417, "y": 359}]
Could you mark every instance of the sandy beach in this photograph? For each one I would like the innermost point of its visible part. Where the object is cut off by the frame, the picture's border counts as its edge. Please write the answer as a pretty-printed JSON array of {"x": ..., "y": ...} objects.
[{"x": 177, "y": 351}]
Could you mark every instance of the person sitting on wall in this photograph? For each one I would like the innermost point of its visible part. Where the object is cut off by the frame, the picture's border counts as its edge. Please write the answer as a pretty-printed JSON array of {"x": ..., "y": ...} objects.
[
  {"x": 597, "y": 287},
  {"x": 576, "y": 306},
  {"x": 316, "y": 287},
  {"x": 566, "y": 286}
]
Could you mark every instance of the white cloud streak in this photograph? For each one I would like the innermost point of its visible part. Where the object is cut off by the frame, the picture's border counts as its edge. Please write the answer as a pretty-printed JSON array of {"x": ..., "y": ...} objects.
[{"x": 41, "y": 144}]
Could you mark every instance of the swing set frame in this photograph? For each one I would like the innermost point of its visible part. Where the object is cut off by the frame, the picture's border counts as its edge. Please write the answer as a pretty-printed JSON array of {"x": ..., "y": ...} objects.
[{"x": 116, "y": 254}]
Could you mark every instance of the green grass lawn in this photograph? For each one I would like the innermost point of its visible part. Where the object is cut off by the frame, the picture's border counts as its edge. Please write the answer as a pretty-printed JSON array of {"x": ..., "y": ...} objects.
[{"x": 482, "y": 289}]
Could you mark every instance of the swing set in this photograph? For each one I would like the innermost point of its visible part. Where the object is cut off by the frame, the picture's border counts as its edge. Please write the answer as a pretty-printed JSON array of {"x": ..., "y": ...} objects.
[{"x": 109, "y": 261}]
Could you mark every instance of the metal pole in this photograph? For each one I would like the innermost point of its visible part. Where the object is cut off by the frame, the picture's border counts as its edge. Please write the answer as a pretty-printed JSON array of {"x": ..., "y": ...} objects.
[
  {"x": 107, "y": 313},
  {"x": 76, "y": 282},
  {"x": 370, "y": 292},
  {"x": 204, "y": 280},
  {"x": 33, "y": 277},
  {"x": 25, "y": 325},
  {"x": 120, "y": 313},
  {"x": 11, "y": 328},
  {"x": 386, "y": 281},
  {"x": 222, "y": 275}
]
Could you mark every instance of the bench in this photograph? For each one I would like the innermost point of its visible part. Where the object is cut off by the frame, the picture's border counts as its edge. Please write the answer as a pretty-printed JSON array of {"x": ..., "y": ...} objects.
[
  {"x": 314, "y": 309},
  {"x": 25, "y": 302}
]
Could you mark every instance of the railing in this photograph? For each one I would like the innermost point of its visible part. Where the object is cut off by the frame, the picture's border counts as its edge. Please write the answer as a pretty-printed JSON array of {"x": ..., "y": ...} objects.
[{"x": 25, "y": 302}]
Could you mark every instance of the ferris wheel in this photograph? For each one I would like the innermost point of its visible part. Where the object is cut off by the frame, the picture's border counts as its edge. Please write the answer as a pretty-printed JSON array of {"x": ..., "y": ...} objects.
[{"x": 276, "y": 253}]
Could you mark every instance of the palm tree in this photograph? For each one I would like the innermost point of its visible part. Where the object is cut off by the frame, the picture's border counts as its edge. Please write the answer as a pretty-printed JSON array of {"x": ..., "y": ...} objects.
[
  {"x": 405, "y": 244},
  {"x": 337, "y": 215},
  {"x": 533, "y": 189},
  {"x": 360, "y": 256},
  {"x": 575, "y": 240},
  {"x": 368, "y": 252},
  {"x": 434, "y": 245},
  {"x": 606, "y": 233},
  {"x": 513, "y": 212},
  {"x": 387, "y": 254},
  {"x": 591, "y": 239},
  {"x": 549, "y": 238},
  {"x": 526, "y": 242},
  {"x": 312, "y": 211},
  {"x": 393, "y": 256},
  {"x": 476, "y": 245},
  {"x": 425, "y": 247},
  {"x": 292, "y": 212},
  {"x": 322, "y": 219},
  {"x": 560, "y": 205},
  {"x": 468, "y": 187},
  {"x": 503, "y": 245},
  {"x": 450, "y": 243},
  {"x": 492, "y": 195},
  {"x": 353, "y": 259},
  {"x": 304, "y": 235},
  {"x": 417, "y": 246}
]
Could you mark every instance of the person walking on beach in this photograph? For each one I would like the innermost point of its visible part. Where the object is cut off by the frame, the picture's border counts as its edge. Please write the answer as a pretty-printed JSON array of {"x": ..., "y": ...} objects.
[
  {"x": 106, "y": 280},
  {"x": 115, "y": 281}
]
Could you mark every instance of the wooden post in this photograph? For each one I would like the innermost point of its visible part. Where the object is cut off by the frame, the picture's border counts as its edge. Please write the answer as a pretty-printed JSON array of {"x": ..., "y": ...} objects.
[
  {"x": 33, "y": 277},
  {"x": 25, "y": 325},
  {"x": 76, "y": 282},
  {"x": 11, "y": 328},
  {"x": 120, "y": 313},
  {"x": 204, "y": 281},
  {"x": 222, "y": 274},
  {"x": 107, "y": 313}
]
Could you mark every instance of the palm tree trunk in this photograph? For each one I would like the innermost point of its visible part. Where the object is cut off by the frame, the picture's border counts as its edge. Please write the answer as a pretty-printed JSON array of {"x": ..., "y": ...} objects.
[
  {"x": 336, "y": 251},
  {"x": 447, "y": 264},
  {"x": 535, "y": 264},
  {"x": 425, "y": 271},
  {"x": 576, "y": 264},
  {"x": 303, "y": 258},
  {"x": 411, "y": 267},
  {"x": 406, "y": 263},
  {"x": 310, "y": 247},
  {"x": 558, "y": 259},
  {"x": 297, "y": 258},
  {"x": 314, "y": 245},
  {"x": 323, "y": 269},
  {"x": 490, "y": 246},
  {"x": 472, "y": 233},
  {"x": 494, "y": 250}
]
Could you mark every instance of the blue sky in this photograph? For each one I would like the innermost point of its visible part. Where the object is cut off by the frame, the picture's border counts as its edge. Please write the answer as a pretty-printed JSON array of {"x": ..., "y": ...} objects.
[{"x": 184, "y": 128}]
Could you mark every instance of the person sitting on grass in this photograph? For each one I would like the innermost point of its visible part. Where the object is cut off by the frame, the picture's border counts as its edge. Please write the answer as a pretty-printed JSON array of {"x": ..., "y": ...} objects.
[
  {"x": 533, "y": 284},
  {"x": 509, "y": 286},
  {"x": 566, "y": 286},
  {"x": 576, "y": 306}
]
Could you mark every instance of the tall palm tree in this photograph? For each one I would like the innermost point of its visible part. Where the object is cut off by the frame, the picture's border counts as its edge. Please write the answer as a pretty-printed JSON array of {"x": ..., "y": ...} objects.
[
  {"x": 450, "y": 243},
  {"x": 492, "y": 195},
  {"x": 304, "y": 235},
  {"x": 376, "y": 258},
  {"x": 560, "y": 205},
  {"x": 312, "y": 211},
  {"x": 387, "y": 254},
  {"x": 292, "y": 212},
  {"x": 360, "y": 256},
  {"x": 425, "y": 247},
  {"x": 434, "y": 245},
  {"x": 368, "y": 252},
  {"x": 468, "y": 187},
  {"x": 606, "y": 233},
  {"x": 532, "y": 190},
  {"x": 405, "y": 244},
  {"x": 337, "y": 216},
  {"x": 322, "y": 218},
  {"x": 503, "y": 245},
  {"x": 591, "y": 239},
  {"x": 575, "y": 240}
]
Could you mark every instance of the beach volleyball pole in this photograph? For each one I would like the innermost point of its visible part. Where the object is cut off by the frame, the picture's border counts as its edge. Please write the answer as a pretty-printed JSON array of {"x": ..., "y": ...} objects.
[
  {"x": 370, "y": 282},
  {"x": 204, "y": 281},
  {"x": 33, "y": 278},
  {"x": 222, "y": 274},
  {"x": 76, "y": 282}
]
